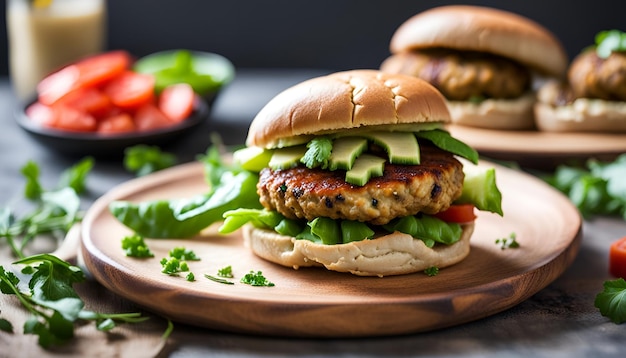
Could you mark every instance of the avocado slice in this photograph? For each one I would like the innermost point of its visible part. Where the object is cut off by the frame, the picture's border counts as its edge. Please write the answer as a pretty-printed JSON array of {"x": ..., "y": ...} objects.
[
  {"x": 345, "y": 151},
  {"x": 365, "y": 167},
  {"x": 285, "y": 158},
  {"x": 401, "y": 147}
]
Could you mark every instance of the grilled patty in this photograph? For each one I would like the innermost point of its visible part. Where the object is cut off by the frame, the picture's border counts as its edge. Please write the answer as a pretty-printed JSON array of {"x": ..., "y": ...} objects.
[
  {"x": 593, "y": 77},
  {"x": 402, "y": 190},
  {"x": 461, "y": 76}
]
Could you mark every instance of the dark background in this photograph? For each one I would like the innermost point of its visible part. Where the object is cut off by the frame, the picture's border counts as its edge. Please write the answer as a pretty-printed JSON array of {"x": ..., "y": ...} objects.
[{"x": 329, "y": 34}]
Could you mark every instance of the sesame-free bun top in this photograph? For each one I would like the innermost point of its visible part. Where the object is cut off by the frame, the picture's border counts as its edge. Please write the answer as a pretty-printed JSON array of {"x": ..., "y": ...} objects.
[
  {"x": 345, "y": 101},
  {"x": 483, "y": 29}
]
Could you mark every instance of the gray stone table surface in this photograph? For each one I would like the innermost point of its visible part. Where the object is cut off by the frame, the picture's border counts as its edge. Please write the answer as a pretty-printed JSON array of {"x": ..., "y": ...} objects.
[{"x": 558, "y": 321}]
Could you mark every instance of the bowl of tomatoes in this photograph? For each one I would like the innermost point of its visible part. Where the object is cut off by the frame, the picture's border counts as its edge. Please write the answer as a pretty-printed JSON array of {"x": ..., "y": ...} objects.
[{"x": 100, "y": 106}]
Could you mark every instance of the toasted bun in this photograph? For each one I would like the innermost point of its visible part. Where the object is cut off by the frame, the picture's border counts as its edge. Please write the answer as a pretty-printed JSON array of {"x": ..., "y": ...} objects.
[
  {"x": 582, "y": 115},
  {"x": 393, "y": 254},
  {"x": 483, "y": 29},
  {"x": 502, "y": 114},
  {"x": 346, "y": 100}
]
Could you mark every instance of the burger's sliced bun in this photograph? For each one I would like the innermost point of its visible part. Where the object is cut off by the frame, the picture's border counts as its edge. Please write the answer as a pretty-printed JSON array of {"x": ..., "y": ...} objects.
[
  {"x": 346, "y": 100},
  {"x": 474, "y": 28},
  {"x": 582, "y": 115},
  {"x": 501, "y": 114},
  {"x": 393, "y": 254}
]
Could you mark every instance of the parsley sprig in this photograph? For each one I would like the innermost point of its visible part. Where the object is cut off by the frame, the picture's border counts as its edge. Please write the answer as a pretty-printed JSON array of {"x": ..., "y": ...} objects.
[
  {"x": 55, "y": 211},
  {"x": 51, "y": 299},
  {"x": 612, "y": 300}
]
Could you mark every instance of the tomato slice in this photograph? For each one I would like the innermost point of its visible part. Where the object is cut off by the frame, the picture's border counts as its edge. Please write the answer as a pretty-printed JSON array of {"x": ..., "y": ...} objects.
[
  {"x": 120, "y": 123},
  {"x": 149, "y": 117},
  {"x": 617, "y": 258},
  {"x": 41, "y": 114},
  {"x": 130, "y": 90},
  {"x": 458, "y": 213},
  {"x": 90, "y": 100},
  {"x": 177, "y": 101},
  {"x": 89, "y": 72},
  {"x": 72, "y": 119}
]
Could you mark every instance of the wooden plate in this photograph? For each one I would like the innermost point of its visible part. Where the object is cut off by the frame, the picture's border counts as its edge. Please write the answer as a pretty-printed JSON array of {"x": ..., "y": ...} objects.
[
  {"x": 542, "y": 150},
  {"x": 313, "y": 302}
]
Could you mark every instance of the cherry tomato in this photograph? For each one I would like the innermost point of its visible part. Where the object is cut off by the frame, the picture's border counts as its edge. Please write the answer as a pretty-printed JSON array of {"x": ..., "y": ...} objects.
[
  {"x": 130, "y": 90},
  {"x": 617, "y": 258},
  {"x": 120, "y": 123},
  {"x": 460, "y": 213},
  {"x": 149, "y": 117},
  {"x": 41, "y": 114},
  {"x": 177, "y": 101}
]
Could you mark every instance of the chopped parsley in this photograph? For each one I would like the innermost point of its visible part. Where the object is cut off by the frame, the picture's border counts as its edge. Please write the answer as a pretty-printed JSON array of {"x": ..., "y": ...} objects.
[
  {"x": 225, "y": 272},
  {"x": 182, "y": 253},
  {"x": 256, "y": 279},
  {"x": 432, "y": 271},
  {"x": 508, "y": 242},
  {"x": 135, "y": 246}
]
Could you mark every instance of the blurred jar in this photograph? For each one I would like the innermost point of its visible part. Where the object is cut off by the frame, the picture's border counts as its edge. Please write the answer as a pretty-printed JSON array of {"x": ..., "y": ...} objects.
[{"x": 45, "y": 35}]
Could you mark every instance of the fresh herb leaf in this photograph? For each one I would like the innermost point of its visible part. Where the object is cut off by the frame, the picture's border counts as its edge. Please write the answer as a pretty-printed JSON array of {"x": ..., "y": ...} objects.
[
  {"x": 432, "y": 271},
  {"x": 318, "y": 153},
  {"x": 170, "y": 266},
  {"x": 190, "y": 277},
  {"x": 135, "y": 246},
  {"x": 75, "y": 177},
  {"x": 32, "y": 188},
  {"x": 443, "y": 140},
  {"x": 6, "y": 326},
  {"x": 612, "y": 300},
  {"x": 610, "y": 41},
  {"x": 51, "y": 299},
  {"x": 256, "y": 279},
  {"x": 143, "y": 159},
  {"x": 508, "y": 242}
]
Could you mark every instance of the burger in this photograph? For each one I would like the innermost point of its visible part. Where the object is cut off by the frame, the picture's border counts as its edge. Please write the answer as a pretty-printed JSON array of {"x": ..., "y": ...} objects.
[
  {"x": 593, "y": 97},
  {"x": 483, "y": 60},
  {"x": 356, "y": 174}
]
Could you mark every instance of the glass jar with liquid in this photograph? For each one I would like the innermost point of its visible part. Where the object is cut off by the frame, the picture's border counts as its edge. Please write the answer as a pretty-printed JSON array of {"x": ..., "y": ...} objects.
[{"x": 45, "y": 35}]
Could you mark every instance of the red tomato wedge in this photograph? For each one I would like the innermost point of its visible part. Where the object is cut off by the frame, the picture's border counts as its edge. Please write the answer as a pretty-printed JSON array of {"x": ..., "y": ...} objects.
[
  {"x": 71, "y": 119},
  {"x": 120, "y": 123},
  {"x": 89, "y": 72},
  {"x": 617, "y": 258},
  {"x": 458, "y": 213},
  {"x": 149, "y": 117},
  {"x": 90, "y": 100},
  {"x": 130, "y": 90},
  {"x": 177, "y": 101},
  {"x": 41, "y": 114}
]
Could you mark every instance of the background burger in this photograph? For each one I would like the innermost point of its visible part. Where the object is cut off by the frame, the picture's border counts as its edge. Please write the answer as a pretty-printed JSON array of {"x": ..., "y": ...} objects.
[
  {"x": 356, "y": 174},
  {"x": 484, "y": 61},
  {"x": 593, "y": 99}
]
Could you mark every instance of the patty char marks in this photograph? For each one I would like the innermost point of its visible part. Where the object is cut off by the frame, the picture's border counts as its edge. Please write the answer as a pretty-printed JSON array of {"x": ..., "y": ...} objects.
[{"x": 402, "y": 190}]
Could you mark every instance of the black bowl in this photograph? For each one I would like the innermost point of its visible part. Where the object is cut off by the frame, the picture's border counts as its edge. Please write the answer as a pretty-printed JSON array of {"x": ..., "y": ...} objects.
[{"x": 110, "y": 145}]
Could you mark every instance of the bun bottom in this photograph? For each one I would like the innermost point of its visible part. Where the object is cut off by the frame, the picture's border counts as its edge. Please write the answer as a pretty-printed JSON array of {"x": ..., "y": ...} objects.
[
  {"x": 584, "y": 115},
  {"x": 392, "y": 254},
  {"x": 502, "y": 114}
]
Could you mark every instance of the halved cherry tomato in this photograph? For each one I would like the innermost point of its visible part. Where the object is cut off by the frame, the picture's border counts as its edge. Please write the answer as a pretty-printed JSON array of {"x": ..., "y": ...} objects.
[
  {"x": 89, "y": 72},
  {"x": 90, "y": 100},
  {"x": 41, "y": 114},
  {"x": 458, "y": 213},
  {"x": 177, "y": 101},
  {"x": 71, "y": 119},
  {"x": 120, "y": 123},
  {"x": 617, "y": 258},
  {"x": 130, "y": 90},
  {"x": 149, "y": 117}
]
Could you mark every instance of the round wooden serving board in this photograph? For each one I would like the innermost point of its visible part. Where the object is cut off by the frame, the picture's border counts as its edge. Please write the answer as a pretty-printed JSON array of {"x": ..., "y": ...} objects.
[
  {"x": 314, "y": 302},
  {"x": 542, "y": 150}
]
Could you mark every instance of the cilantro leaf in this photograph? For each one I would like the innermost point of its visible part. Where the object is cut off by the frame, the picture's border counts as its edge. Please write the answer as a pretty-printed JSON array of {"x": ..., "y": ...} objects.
[
  {"x": 612, "y": 300},
  {"x": 318, "y": 153}
]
